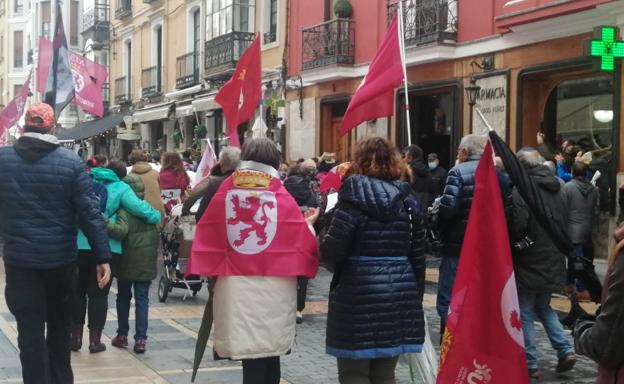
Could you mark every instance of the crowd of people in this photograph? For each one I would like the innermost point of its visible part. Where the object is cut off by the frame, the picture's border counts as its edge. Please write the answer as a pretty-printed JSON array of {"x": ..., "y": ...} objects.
[{"x": 70, "y": 227}]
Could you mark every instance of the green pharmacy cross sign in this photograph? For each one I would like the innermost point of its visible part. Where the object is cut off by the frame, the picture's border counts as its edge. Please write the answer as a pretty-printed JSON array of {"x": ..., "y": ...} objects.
[
  {"x": 274, "y": 102},
  {"x": 606, "y": 47}
]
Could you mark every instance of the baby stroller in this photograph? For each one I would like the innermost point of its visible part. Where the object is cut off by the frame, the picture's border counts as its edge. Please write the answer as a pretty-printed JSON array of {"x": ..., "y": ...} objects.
[{"x": 177, "y": 238}]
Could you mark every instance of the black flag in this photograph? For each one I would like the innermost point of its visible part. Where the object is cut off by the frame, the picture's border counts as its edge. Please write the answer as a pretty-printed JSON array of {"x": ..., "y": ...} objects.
[{"x": 59, "y": 89}]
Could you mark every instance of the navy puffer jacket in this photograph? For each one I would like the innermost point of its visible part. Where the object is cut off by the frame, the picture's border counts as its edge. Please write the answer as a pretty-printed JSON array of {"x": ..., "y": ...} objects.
[
  {"x": 457, "y": 200},
  {"x": 378, "y": 257},
  {"x": 45, "y": 195}
]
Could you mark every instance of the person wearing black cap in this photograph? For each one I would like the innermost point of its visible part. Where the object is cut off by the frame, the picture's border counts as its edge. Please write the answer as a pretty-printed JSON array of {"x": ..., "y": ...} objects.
[{"x": 438, "y": 174}]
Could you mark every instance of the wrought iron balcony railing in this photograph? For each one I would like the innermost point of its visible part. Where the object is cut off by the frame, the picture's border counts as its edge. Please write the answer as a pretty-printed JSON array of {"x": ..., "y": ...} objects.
[
  {"x": 95, "y": 22},
  {"x": 106, "y": 95},
  {"x": 332, "y": 42},
  {"x": 269, "y": 37},
  {"x": 150, "y": 82},
  {"x": 187, "y": 70},
  {"x": 122, "y": 90},
  {"x": 427, "y": 21},
  {"x": 124, "y": 9},
  {"x": 223, "y": 52}
]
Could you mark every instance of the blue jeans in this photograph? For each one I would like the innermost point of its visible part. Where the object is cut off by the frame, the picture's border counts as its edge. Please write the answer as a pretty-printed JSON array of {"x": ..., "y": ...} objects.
[
  {"x": 448, "y": 270},
  {"x": 538, "y": 303},
  {"x": 141, "y": 304}
]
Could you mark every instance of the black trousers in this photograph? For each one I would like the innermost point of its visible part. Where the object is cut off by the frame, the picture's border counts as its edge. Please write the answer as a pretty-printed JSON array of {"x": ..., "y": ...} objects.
[
  {"x": 89, "y": 295},
  {"x": 41, "y": 299},
  {"x": 302, "y": 291},
  {"x": 262, "y": 371},
  {"x": 581, "y": 268}
]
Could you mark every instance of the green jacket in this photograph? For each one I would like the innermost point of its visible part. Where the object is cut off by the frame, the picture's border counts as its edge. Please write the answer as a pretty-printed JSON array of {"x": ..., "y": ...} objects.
[
  {"x": 120, "y": 195},
  {"x": 139, "y": 241}
]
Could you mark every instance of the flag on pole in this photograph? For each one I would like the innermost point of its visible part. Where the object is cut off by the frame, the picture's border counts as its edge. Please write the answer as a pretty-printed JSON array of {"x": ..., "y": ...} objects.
[
  {"x": 88, "y": 77},
  {"x": 239, "y": 97},
  {"x": 374, "y": 98},
  {"x": 208, "y": 160},
  {"x": 59, "y": 90},
  {"x": 11, "y": 114},
  {"x": 483, "y": 341}
]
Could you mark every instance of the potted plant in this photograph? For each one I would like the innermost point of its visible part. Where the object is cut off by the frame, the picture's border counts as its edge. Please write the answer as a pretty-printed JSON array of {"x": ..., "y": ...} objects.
[{"x": 343, "y": 9}]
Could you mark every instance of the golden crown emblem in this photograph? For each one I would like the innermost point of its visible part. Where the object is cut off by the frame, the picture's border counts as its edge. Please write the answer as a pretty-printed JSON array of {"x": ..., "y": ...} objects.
[{"x": 248, "y": 179}]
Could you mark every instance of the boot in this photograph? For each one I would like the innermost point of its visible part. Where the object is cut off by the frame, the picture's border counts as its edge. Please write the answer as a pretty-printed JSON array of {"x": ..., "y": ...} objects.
[
  {"x": 95, "y": 343},
  {"x": 76, "y": 337}
]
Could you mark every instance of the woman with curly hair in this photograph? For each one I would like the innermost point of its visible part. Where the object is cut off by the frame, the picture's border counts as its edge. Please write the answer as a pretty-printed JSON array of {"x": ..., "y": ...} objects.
[{"x": 375, "y": 245}]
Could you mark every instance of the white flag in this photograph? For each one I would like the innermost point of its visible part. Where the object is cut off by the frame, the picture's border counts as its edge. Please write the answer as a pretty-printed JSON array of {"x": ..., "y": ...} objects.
[{"x": 209, "y": 159}]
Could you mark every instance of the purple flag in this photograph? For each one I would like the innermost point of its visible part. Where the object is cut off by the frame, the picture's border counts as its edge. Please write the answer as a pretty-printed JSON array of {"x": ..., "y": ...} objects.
[
  {"x": 59, "y": 90},
  {"x": 15, "y": 109}
]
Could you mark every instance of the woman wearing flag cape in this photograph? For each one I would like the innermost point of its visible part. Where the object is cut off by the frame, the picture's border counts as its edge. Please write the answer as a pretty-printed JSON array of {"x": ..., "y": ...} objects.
[{"x": 254, "y": 239}]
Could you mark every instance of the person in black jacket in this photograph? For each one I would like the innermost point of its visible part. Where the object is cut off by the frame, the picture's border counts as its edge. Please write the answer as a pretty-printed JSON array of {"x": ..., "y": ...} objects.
[
  {"x": 229, "y": 158},
  {"x": 45, "y": 195},
  {"x": 539, "y": 266},
  {"x": 422, "y": 182},
  {"x": 453, "y": 215},
  {"x": 438, "y": 174},
  {"x": 375, "y": 245}
]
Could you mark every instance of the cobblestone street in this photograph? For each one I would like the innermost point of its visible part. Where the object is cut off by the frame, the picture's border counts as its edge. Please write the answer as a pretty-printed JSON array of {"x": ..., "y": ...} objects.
[{"x": 173, "y": 330}]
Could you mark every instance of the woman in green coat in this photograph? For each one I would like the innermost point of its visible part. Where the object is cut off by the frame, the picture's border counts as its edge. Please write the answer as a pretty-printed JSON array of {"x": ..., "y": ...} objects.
[{"x": 135, "y": 269}]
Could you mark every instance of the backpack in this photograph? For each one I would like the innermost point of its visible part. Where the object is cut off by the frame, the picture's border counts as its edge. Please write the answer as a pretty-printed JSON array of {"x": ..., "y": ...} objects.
[{"x": 101, "y": 195}]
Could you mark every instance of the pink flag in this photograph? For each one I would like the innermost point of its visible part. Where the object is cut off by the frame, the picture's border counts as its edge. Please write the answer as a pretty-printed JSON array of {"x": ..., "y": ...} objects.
[
  {"x": 374, "y": 97},
  {"x": 11, "y": 114},
  {"x": 88, "y": 78},
  {"x": 483, "y": 341},
  {"x": 208, "y": 160},
  {"x": 43, "y": 63}
]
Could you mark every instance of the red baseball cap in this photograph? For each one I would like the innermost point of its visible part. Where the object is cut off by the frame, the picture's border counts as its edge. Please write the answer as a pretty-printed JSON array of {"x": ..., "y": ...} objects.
[{"x": 40, "y": 115}]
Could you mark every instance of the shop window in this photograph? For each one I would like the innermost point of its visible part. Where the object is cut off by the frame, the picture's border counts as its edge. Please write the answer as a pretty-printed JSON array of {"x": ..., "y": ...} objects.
[{"x": 580, "y": 112}]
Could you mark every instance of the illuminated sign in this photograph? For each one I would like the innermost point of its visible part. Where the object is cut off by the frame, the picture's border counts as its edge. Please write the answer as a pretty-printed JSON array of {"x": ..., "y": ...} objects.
[{"x": 605, "y": 47}]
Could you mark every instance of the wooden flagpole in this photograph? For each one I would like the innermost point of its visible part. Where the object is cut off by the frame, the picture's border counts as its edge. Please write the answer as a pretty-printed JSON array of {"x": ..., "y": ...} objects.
[{"x": 402, "y": 49}]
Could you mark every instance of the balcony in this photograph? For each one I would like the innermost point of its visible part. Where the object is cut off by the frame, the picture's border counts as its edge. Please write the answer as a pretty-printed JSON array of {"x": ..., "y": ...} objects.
[
  {"x": 150, "y": 82},
  {"x": 122, "y": 94},
  {"x": 328, "y": 43},
  {"x": 223, "y": 52},
  {"x": 124, "y": 9},
  {"x": 106, "y": 95},
  {"x": 149, "y": 1},
  {"x": 427, "y": 21},
  {"x": 95, "y": 24},
  {"x": 187, "y": 70}
]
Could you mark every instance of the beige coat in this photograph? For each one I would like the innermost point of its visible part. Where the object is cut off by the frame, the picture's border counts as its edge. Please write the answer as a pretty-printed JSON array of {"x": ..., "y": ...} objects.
[
  {"x": 150, "y": 179},
  {"x": 254, "y": 316}
]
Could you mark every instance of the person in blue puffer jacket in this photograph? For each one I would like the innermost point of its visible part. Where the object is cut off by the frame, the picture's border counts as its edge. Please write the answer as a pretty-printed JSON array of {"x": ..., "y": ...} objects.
[
  {"x": 375, "y": 244},
  {"x": 120, "y": 195}
]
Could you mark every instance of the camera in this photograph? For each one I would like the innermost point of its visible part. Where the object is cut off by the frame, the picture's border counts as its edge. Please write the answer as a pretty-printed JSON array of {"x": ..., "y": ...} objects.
[{"x": 523, "y": 244}]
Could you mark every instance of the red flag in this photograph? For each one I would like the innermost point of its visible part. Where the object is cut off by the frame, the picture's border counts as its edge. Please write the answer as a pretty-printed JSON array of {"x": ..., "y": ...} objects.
[
  {"x": 253, "y": 227},
  {"x": 374, "y": 97},
  {"x": 484, "y": 340},
  {"x": 45, "y": 55},
  {"x": 11, "y": 114},
  {"x": 333, "y": 179},
  {"x": 239, "y": 97},
  {"x": 88, "y": 78}
]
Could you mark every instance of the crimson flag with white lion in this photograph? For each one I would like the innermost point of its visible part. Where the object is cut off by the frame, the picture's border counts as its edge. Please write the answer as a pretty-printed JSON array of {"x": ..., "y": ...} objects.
[{"x": 253, "y": 227}]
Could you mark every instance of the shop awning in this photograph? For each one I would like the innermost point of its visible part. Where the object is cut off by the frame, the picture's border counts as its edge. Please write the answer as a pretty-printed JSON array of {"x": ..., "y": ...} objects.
[
  {"x": 157, "y": 113},
  {"x": 184, "y": 110},
  {"x": 205, "y": 104},
  {"x": 92, "y": 128}
]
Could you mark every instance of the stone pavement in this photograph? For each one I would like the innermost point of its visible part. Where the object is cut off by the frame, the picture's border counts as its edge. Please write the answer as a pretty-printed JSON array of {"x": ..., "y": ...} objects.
[{"x": 173, "y": 330}]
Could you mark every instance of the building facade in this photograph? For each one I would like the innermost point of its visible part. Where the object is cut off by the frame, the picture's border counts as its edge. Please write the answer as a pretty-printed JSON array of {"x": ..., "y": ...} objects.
[
  {"x": 528, "y": 57},
  {"x": 169, "y": 59}
]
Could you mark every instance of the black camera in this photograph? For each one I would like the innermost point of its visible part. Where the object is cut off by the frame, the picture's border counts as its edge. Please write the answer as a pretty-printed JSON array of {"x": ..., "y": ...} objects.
[{"x": 524, "y": 244}]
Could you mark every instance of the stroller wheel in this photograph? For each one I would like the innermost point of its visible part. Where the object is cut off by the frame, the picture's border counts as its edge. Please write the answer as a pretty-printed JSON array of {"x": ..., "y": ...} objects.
[{"x": 163, "y": 289}]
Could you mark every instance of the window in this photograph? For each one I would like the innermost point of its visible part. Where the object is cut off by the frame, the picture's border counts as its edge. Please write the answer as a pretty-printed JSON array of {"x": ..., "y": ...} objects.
[
  {"x": 45, "y": 19},
  {"x": 18, "y": 49},
  {"x": 16, "y": 89},
  {"x": 2, "y": 7},
  {"x": 1, "y": 90},
  {"x": 74, "y": 13},
  {"x": 1, "y": 48},
  {"x": 196, "y": 40},
  {"x": 226, "y": 16},
  {"x": 270, "y": 22},
  {"x": 128, "y": 70},
  {"x": 18, "y": 6},
  {"x": 158, "y": 58}
]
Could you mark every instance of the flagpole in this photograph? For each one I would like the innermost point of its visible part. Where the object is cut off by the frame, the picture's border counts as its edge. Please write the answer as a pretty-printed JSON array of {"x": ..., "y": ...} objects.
[{"x": 402, "y": 49}]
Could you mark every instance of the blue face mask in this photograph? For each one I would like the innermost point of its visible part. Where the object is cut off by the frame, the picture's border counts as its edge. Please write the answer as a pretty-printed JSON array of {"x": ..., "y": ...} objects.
[{"x": 433, "y": 166}]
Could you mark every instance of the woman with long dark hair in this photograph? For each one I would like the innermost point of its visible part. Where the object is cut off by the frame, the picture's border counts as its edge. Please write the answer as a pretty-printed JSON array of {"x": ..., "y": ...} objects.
[
  {"x": 375, "y": 244},
  {"x": 172, "y": 173}
]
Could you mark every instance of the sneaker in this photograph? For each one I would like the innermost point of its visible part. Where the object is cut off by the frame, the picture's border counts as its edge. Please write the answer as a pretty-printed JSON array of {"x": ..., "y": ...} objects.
[
  {"x": 299, "y": 317},
  {"x": 139, "y": 346},
  {"x": 534, "y": 374},
  {"x": 120, "y": 341},
  {"x": 566, "y": 363}
]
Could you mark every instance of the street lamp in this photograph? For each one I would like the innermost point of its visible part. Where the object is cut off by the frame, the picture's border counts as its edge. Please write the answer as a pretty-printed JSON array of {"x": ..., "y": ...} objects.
[{"x": 472, "y": 91}]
